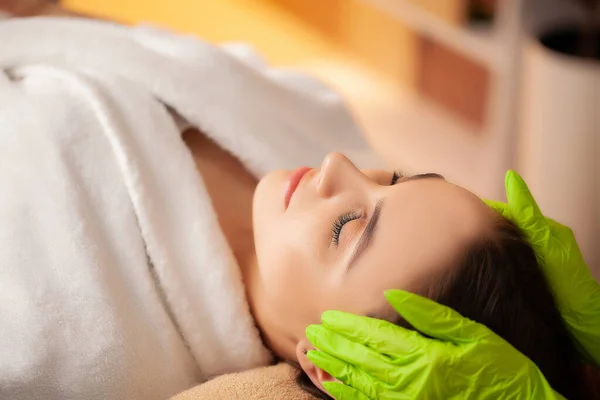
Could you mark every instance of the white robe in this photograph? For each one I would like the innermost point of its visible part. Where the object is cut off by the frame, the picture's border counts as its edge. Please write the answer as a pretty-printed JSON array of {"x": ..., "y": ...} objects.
[{"x": 115, "y": 279}]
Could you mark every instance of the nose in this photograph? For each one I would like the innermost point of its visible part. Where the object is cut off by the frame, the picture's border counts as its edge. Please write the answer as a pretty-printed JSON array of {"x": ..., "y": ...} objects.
[{"x": 338, "y": 174}]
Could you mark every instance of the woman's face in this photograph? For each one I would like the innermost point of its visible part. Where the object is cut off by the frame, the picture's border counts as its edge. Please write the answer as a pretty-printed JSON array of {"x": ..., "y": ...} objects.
[{"x": 345, "y": 237}]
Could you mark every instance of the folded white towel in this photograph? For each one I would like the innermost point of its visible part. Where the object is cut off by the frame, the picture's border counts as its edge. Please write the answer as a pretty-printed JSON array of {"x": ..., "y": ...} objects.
[{"x": 115, "y": 279}]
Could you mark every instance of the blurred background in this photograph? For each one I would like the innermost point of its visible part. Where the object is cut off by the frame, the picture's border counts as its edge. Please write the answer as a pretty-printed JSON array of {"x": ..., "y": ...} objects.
[{"x": 467, "y": 88}]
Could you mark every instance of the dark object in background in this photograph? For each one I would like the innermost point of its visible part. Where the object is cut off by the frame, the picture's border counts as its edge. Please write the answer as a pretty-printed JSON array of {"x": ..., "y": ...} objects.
[
  {"x": 572, "y": 41},
  {"x": 481, "y": 10},
  {"x": 577, "y": 40}
]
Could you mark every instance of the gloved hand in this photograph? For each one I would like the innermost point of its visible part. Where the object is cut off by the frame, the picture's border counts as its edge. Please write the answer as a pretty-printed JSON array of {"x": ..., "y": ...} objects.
[
  {"x": 576, "y": 291},
  {"x": 376, "y": 359}
]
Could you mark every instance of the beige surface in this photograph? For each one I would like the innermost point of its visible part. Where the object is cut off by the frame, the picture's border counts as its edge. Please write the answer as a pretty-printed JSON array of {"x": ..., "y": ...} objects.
[{"x": 276, "y": 382}]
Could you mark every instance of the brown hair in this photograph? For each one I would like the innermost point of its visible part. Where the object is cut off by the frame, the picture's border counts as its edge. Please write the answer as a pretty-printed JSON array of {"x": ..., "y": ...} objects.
[{"x": 500, "y": 284}]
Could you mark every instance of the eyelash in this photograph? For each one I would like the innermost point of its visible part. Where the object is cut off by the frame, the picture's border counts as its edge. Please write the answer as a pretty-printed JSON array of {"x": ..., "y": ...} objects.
[
  {"x": 395, "y": 177},
  {"x": 339, "y": 224},
  {"x": 351, "y": 216}
]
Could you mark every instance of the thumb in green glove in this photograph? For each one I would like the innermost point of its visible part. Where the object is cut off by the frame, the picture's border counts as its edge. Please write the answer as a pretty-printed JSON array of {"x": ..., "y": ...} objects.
[
  {"x": 376, "y": 359},
  {"x": 576, "y": 292}
]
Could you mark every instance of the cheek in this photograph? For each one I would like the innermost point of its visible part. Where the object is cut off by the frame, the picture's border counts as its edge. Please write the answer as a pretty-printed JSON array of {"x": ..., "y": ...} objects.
[
  {"x": 287, "y": 259},
  {"x": 293, "y": 275}
]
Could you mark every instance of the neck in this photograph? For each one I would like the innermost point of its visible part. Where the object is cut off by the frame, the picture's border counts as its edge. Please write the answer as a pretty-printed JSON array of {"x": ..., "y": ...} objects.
[
  {"x": 248, "y": 264},
  {"x": 267, "y": 323}
]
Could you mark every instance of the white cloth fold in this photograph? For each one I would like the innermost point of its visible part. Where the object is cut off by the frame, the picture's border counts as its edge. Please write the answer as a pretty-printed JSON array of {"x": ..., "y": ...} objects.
[{"x": 115, "y": 279}]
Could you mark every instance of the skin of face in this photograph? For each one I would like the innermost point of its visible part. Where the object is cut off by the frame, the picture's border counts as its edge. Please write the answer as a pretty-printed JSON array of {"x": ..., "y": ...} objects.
[{"x": 303, "y": 269}]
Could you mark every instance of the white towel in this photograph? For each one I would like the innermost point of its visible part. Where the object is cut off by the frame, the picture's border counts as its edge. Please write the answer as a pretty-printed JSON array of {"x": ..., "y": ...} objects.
[{"x": 115, "y": 279}]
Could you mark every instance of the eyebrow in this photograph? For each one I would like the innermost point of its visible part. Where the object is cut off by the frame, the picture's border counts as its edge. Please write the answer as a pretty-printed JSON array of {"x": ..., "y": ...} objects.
[
  {"x": 367, "y": 235},
  {"x": 369, "y": 231},
  {"x": 429, "y": 175}
]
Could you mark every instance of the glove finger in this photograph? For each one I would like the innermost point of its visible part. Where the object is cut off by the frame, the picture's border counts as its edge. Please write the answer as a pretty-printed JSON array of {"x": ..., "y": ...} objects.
[
  {"x": 524, "y": 209},
  {"x": 339, "y": 391},
  {"x": 434, "y": 319},
  {"x": 499, "y": 206},
  {"x": 347, "y": 373},
  {"x": 380, "y": 335},
  {"x": 372, "y": 362}
]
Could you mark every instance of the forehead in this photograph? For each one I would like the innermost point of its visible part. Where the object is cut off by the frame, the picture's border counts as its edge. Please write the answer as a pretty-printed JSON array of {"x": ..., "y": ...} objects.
[{"x": 423, "y": 227}]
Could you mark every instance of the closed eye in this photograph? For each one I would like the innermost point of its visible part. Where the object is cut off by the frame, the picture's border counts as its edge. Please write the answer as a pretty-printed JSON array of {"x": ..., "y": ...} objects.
[
  {"x": 343, "y": 219},
  {"x": 398, "y": 177},
  {"x": 339, "y": 223}
]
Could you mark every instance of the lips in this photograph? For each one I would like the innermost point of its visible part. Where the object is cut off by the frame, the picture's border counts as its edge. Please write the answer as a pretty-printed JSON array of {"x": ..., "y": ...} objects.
[{"x": 292, "y": 183}]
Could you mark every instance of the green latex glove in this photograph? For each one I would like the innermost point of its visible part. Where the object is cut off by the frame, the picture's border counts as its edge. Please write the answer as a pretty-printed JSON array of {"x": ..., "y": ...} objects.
[
  {"x": 376, "y": 359},
  {"x": 576, "y": 291}
]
